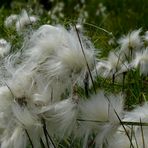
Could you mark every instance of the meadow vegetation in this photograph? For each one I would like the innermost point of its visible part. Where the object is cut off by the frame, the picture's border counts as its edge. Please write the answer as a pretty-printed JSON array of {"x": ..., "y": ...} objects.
[{"x": 74, "y": 74}]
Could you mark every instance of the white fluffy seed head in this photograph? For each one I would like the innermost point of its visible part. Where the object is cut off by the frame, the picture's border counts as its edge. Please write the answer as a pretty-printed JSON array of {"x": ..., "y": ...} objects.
[
  {"x": 17, "y": 139},
  {"x": 145, "y": 37},
  {"x": 21, "y": 21},
  {"x": 102, "y": 109},
  {"x": 71, "y": 53},
  {"x": 51, "y": 92},
  {"x": 24, "y": 20},
  {"x": 131, "y": 41},
  {"x": 114, "y": 63},
  {"x": 105, "y": 135},
  {"x": 49, "y": 41},
  {"x": 115, "y": 59},
  {"x": 22, "y": 86},
  {"x": 5, "y": 98},
  {"x": 43, "y": 43},
  {"x": 4, "y": 47},
  {"x": 120, "y": 138},
  {"x": 95, "y": 108},
  {"x": 61, "y": 117},
  {"x": 9, "y": 21},
  {"x": 115, "y": 111},
  {"x": 25, "y": 116},
  {"x": 137, "y": 113},
  {"x": 141, "y": 61},
  {"x": 111, "y": 66},
  {"x": 58, "y": 57},
  {"x": 99, "y": 108}
]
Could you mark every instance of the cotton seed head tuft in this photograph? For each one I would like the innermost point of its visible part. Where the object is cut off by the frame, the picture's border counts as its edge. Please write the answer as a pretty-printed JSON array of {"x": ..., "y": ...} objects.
[
  {"x": 4, "y": 47},
  {"x": 132, "y": 41},
  {"x": 24, "y": 20},
  {"x": 141, "y": 61},
  {"x": 9, "y": 21},
  {"x": 101, "y": 109}
]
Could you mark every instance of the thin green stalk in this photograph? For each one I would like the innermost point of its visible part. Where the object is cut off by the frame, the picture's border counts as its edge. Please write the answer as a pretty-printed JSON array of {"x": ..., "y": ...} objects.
[
  {"x": 31, "y": 143},
  {"x": 121, "y": 123},
  {"x": 131, "y": 135},
  {"x": 45, "y": 133},
  {"x": 104, "y": 30},
  {"x": 52, "y": 142},
  {"x": 87, "y": 120},
  {"x": 142, "y": 134},
  {"x": 86, "y": 85},
  {"x": 42, "y": 143},
  {"x": 89, "y": 71}
]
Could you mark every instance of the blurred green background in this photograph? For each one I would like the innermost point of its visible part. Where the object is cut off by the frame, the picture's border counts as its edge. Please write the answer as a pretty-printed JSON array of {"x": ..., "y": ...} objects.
[
  {"x": 115, "y": 16},
  {"x": 121, "y": 15}
]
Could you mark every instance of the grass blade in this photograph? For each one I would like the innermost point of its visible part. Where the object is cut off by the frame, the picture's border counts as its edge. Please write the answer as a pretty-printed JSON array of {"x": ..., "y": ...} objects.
[
  {"x": 89, "y": 71},
  {"x": 42, "y": 143},
  {"x": 31, "y": 143},
  {"x": 121, "y": 124},
  {"x": 142, "y": 134},
  {"x": 45, "y": 133}
]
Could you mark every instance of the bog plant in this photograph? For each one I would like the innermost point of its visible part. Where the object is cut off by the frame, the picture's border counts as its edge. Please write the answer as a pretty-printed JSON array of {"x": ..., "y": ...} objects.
[{"x": 58, "y": 91}]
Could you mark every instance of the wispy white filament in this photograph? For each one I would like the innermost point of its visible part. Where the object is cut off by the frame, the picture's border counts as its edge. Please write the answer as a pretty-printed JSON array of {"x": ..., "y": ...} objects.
[
  {"x": 24, "y": 19},
  {"x": 61, "y": 117},
  {"x": 132, "y": 41},
  {"x": 141, "y": 61},
  {"x": 56, "y": 56},
  {"x": 120, "y": 138},
  {"x": 10, "y": 20},
  {"x": 15, "y": 140},
  {"x": 21, "y": 21},
  {"x": 4, "y": 47},
  {"x": 111, "y": 66},
  {"x": 102, "y": 109}
]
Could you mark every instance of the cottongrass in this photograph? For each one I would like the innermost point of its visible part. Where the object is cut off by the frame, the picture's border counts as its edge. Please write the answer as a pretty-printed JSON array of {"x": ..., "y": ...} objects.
[
  {"x": 131, "y": 40},
  {"x": 16, "y": 140},
  {"x": 20, "y": 21},
  {"x": 141, "y": 61},
  {"x": 138, "y": 133},
  {"x": 112, "y": 68},
  {"x": 99, "y": 116},
  {"x": 10, "y": 20},
  {"x": 61, "y": 117},
  {"x": 22, "y": 112},
  {"x": 24, "y": 20},
  {"x": 145, "y": 37},
  {"x": 56, "y": 56},
  {"x": 31, "y": 95},
  {"x": 4, "y": 47},
  {"x": 111, "y": 65},
  {"x": 131, "y": 43},
  {"x": 39, "y": 100}
]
